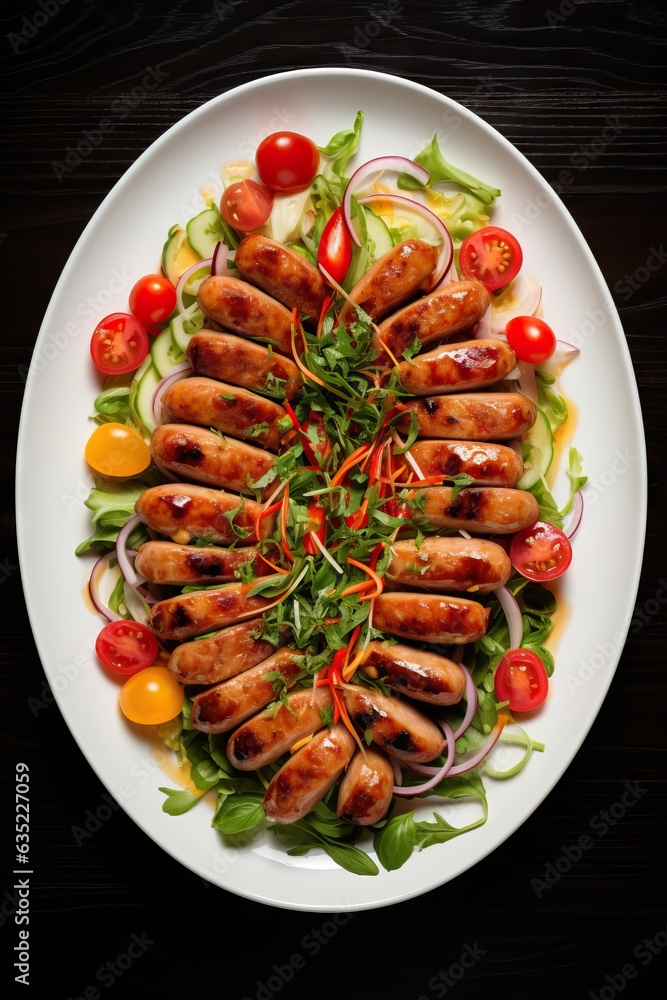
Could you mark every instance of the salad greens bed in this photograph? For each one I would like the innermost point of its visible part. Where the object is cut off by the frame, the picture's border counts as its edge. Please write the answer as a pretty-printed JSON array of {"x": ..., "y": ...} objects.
[{"x": 353, "y": 408}]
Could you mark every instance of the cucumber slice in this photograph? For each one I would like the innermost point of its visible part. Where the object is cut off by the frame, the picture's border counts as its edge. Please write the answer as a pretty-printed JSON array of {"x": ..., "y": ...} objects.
[
  {"x": 143, "y": 397},
  {"x": 379, "y": 237},
  {"x": 205, "y": 231},
  {"x": 538, "y": 446},
  {"x": 184, "y": 325},
  {"x": 376, "y": 242},
  {"x": 177, "y": 254},
  {"x": 165, "y": 353}
]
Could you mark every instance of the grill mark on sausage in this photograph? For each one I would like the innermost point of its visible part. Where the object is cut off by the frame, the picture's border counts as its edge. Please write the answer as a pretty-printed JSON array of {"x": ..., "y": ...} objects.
[
  {"x": 206, "y": 565},
  {"x": 247, "y": 745},
  {"x": 402, "y": 742},
  {"x": 178, "y": 505},
  {"x": 466, "y": 505},
  {"x": 430, "y": 405}
]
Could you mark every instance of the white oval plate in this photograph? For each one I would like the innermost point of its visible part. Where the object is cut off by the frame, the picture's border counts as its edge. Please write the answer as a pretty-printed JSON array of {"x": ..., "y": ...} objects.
[{"x": 123, "y": 241}]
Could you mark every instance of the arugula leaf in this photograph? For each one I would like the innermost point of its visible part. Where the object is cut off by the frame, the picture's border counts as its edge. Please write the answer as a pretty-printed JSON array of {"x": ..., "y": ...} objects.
[
  {"x": 178, "y": 801},
  {"x": 441, "y": 170},
  {"x": 239, "y": 813}
]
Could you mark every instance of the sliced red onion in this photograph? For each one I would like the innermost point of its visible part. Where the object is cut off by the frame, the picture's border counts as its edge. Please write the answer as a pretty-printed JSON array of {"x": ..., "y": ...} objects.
[
  {"x": 564, "y": 352},
  {"x": 528, "y": 307},
  {"x": 360, "y": 177},
  {"x": 514, "y": 374},
  {"x": 479, "y": 755},
  {"x": 510, "y": 606},
  {"x": 398, "y": 774},
  {"x": 221, "y": 255},
  {"x": 472, "y": 700},
  {"x": 410, "y": 790},
  {"x": 134, "y": 603},
  {"x": 577, "y": 513},
  {"x": 527, "y": 380},
  {"x": 98, "y": 571},
  {"x": 126, "y": 567},
  {"x": 176, "y": 373},
  {"x": 446, "y": 255},
  {"x": 185, "y": 277}
]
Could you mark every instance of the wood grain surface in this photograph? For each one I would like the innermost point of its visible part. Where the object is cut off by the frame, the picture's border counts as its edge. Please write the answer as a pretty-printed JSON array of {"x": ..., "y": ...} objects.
[{"x": 547, "y": 78}]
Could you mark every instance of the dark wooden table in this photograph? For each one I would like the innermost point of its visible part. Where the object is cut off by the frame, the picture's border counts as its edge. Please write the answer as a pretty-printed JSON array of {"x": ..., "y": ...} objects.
[{"x": 548, "y": 78}]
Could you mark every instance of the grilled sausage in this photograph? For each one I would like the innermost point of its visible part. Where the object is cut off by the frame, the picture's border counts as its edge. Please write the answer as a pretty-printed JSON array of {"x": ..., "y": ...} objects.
[
  {"x": 396, "y": 277},
  {"x": 243, "y": 362},
  {"x": 489, "y": 464},
  {"x": 208, "y": 457},
  {"x": 266, "y": 737},
  {"x": 202, "y": 611},
  {"x": 474, "y": 416},
  {"x": 182, "y": 511},
  {"x": 465, "y": 365},
  {"x": 224, "y": 706},
  {"x": 480, "y": 510},
  {"x": 209, "y": 403},
  {"x": 458, "y": 564},
  {"x": 241, "y": 307},
  {"x": 177, "y": 565},
  {"x": 282, "y": 273},
  {"x": 223, "y": 655},
  {"x": 416, "y": 673},
  {"x": 448, "y": 310},
  {"x": 430, "y": 617},
  {"x": 366, "y": 789},
  {"x": 307, "y": 776},
  {"x": 397, "y": 727}
]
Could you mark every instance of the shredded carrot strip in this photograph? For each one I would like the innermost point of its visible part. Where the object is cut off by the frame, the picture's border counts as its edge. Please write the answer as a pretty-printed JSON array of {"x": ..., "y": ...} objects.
[
  {"x": 349, "y": 462},
  {"x": 349, "y": 670},
  {"x": 261, "y": 514},
  {"x": 379, "y": 582},
  {"x": 356, "y": 588},
  {"x": 301, "y": 743},
  {"x": 278, "y": 569}
]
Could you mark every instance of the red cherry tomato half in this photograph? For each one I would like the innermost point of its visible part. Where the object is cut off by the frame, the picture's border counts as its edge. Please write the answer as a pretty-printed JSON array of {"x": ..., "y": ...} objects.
[
  {"x": 246, "y": 205},
  {"x": 521, "y": 679},
  {"x": 531, "y": 339},
  {"x": 492, "y": 255},
  {"x": 152, "y": 299},
  {"x": 334, "y": 252},
  {"x": 541, "y": 552},
  {"x": 287, "y": 161},
  {"x": 119, "y": 344},
  {"x": 126, "y": 647}
]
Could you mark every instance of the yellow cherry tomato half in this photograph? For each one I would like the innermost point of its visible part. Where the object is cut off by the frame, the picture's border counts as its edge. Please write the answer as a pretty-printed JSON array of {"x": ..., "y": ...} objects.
[
  {"x": 116, "y": 451},
  {"x": 151, "y": 697}
]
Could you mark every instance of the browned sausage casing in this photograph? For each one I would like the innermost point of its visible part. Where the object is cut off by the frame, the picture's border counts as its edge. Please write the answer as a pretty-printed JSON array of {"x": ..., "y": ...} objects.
[
  {"x": 241, "y": 307},
  {"x": 229, "y": 652},
  {"x": 479, "y": 509},
  {"x": 183, "y": 511},
  {"x": 448, "y": 310},
  {"x": 224, "y": 706},
  {"x": 209, "y": 403},
  {"x": 430, "y": 617},
  {"x": 396, "y": 277},
  {"x": 266, "y": 737},
  {"x": 417, "y": 673},
  {"x": 243, "y": 362},
  {"x": 307, "y": 776},
  {"x": 200, "y": 454},
  {"x": 282, "y": 273},
  {"x": 203, "y": 611},
  {"x": 465, "y": 365},
  {"x": 397, "y": 727},
  {"x": 489, "y": 464},
  {"x": 458, "y": 564},
  {"x": 473, "y": 416},
  {"x": 177, "y": 565},
  {"x": 366, "y": 789}
]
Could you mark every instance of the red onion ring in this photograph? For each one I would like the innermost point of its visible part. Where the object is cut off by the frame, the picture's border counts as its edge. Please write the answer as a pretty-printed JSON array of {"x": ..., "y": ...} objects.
[
  {"x": 398, "y": 774},
  {"x": 446, "y": 255},
  {"x": 184, "y": 278},
  {"x": 527, "y": 380},
  {"x": 400, "y": 164},
  {"x": 472, "y": 700},
  {"x": 126, "y": 567},
  {"x": 176, "y": 373},
  {"x": 577, "y": 514},
  {"x": 480, "y": 754},
  {"x": 221, "y": 255},
  {"x": 441, "y": 772},
  {"x": 510, "y": 606},
  {"x": 99, "y": 569}
]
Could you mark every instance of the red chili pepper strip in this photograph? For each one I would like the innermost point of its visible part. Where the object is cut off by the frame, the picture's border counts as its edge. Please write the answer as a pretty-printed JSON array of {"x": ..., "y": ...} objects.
[
  {"x": 292, "y": 415},
  {"x": 325, "y": 309},
  {"x": 283, "y": 524},
  {"x": 350, "y": 462}
]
